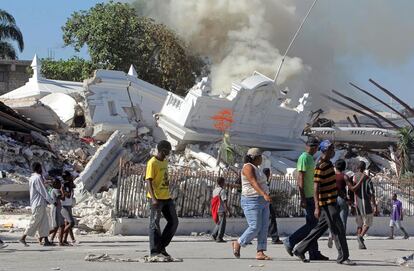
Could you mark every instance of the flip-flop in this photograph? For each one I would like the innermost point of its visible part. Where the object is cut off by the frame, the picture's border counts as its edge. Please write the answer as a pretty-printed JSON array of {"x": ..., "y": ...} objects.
[
  {"x": 236, "y": 252},
  {"x": 263, "y": 258}
]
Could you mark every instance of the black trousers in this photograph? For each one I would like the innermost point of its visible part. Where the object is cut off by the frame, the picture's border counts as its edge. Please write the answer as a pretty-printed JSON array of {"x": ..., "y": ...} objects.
[
  {"x": 220, "y": 228},
  {"x": 160, "y": 240},
  {"x": 329, "y": 219},
  {"x": 273, "y": 233}
]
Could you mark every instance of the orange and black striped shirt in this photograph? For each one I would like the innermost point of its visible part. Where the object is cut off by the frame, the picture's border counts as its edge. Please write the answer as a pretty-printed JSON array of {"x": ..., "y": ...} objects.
[{"x": 325, "y": 176}]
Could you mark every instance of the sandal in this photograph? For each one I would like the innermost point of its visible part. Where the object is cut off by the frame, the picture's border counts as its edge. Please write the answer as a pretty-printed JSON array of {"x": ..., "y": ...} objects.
[
  {"x": 236, "y": 251},
  {"x": 263, "y": 257}
]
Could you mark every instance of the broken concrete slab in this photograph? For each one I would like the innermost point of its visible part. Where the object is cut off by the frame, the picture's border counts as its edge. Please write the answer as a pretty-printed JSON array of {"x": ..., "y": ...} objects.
[
  {"x": 370, "y": 138},
  {"x": 102, "y": 167},
  {"x": 248, "y": 114},
  {"x": 36, "y": 111}
]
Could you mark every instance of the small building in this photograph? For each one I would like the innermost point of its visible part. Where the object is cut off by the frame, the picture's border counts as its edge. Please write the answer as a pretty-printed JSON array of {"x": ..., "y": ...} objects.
[{"x": 13, "y": 74}]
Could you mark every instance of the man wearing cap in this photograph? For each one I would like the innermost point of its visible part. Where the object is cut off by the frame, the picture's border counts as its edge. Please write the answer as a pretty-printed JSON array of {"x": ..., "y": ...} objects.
[
  {"x": 306, "y": 168},
  {"x": 326, "y": 209}
]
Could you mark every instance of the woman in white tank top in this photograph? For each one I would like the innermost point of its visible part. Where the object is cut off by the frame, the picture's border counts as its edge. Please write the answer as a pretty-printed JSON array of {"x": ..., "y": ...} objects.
[{"x": 255, "y": 203}]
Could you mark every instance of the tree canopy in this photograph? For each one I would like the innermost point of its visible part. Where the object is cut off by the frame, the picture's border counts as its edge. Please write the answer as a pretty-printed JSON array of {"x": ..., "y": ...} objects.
[
  {"x": 9, "y": 33},
  {"x": 73, "y": 69},
  {"x": 117, "y": 37}
]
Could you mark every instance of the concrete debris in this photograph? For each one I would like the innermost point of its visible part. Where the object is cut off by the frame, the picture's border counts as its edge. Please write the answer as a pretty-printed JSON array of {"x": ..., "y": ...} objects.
[
  {"x": 57, "y": 151},
  {"x": 200, "y": 117},
  {"x": 96, "y": 210},
  {"x": 406, "y": 261},
  {"x": 102, "y": 167},
  {"x": 146, "y": 259}
]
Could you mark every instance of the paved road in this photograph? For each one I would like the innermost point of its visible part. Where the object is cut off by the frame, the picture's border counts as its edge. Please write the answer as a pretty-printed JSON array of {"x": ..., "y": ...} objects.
[{"x": 198, "y": 253}]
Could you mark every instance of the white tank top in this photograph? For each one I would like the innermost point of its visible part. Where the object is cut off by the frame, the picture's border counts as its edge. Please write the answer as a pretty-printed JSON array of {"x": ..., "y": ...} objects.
[{"x": 247, "y": 188}]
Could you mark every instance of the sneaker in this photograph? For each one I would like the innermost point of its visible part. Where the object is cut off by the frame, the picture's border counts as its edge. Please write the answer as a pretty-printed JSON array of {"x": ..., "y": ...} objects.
[
  {"x": 277, "y": 242},
  {"x": 319, "y": 257},
  {"x": 289, "y": 250},
  {"x": 213, "y": 238},
  {"x": 221, "y": 241},
  {"x": 406, "y": 236},
  {"x": 301, "y": 256},
  {"x": 348, "y": 262},
  {"x": 330, "y": 242}
]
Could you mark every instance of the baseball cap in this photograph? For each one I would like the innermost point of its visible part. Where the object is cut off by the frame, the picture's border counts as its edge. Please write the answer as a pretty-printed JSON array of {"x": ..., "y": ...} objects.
[{"x": 324, "y": 146}]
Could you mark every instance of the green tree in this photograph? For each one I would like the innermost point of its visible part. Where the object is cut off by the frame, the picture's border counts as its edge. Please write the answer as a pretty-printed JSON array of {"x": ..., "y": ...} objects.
[
  {"x": 73, "y": 69},
  {"x": 9, "y": 32},
  {"x": 117, "y": 37},
  {"x": 405, "y": 148}
]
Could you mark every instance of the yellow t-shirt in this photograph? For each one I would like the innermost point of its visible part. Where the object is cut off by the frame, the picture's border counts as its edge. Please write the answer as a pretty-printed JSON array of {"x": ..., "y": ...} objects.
[{"x": 158, "y": 171}]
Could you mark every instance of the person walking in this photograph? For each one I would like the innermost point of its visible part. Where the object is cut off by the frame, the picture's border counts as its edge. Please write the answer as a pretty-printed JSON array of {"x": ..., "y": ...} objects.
[
  {"x": 364, "y": 202},
  {"x": 342, "y": 200},
  {"x": 326, "y": 208},
  {"x": 58, "y": 223},
  {"x": 39, "y": 198},
  {"x": 67, "y": 203},
  {"x": 397, "y": 218},
  {"x": 255, "y": 201},
  {"x": 219, "y": 210},
  {"x": 306, "y": 169},
  {"x": 273, "y": 232},
  {"x": 161, "y": 202}
]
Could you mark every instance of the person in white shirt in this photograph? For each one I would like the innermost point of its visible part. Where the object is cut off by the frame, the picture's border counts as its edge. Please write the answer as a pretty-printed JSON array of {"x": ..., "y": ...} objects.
[{"x": 39, "y": 198}]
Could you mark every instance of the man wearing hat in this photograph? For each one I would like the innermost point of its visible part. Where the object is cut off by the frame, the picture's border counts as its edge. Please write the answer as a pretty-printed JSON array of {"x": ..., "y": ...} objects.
[
  {"x": 326, "y": 209},
  {"x": 305, "y": 168}
]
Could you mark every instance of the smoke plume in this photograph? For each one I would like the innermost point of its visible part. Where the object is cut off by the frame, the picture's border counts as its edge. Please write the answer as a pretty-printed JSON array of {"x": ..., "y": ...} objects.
[{"x": 241, "y": 36}]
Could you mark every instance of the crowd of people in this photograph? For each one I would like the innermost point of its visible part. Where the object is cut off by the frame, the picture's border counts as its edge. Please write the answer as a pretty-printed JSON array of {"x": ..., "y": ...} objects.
[
  {"x": 326, "y": 195},
  {"x": 58, "y": 193}
]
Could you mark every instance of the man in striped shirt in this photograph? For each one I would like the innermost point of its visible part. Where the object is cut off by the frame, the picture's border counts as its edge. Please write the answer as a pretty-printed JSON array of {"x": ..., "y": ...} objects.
[{"x": 326, "y": 209}]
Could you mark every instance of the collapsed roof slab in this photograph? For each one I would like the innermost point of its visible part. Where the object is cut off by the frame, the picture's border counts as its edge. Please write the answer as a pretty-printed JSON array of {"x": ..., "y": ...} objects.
[
  {"x": 115, "y": 100},
  {"x": 13, "y": 121},
  {"x": 253, "y": 114},
  {"x": 37, "y": 112},
  {"x": 371, "y": 138}
]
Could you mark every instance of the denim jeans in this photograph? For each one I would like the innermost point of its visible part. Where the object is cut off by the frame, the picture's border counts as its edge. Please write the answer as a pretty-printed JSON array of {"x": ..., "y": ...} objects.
[
  {"x": 343, "y": 212},
  {"x": 256, "y": 211},
  {"x": 159, "y": 241},
  {"x": 329, "y": 219},
  {"x": 220, "y": 228},
  {"x": 303, "y": 231}
]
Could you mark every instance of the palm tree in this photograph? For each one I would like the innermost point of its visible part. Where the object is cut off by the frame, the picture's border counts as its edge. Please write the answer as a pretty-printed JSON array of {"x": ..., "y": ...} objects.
[
  {"x": 405, "y": 147},
  {"x": 9, "y": 32}
]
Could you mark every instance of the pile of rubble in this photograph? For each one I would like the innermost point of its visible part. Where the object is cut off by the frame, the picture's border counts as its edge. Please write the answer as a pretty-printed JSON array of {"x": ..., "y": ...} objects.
[
  {"x": 55, "y": 152},
  {"x": 95, "y": 213}
]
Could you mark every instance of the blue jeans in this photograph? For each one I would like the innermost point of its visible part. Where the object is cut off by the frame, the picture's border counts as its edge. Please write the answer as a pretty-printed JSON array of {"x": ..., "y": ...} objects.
[
  {"x": 343, "y": 212},
  {"x": 256, "y": 211},
  {"x": 303, "y": 231}
]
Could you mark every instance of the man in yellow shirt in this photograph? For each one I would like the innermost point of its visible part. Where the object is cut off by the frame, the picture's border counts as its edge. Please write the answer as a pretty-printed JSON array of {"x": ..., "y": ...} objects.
[{"x": 161, "y": 202}]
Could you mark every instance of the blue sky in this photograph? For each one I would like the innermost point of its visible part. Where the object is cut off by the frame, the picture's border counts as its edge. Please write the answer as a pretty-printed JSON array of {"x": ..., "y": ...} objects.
[{"x": 41, "y": 22}]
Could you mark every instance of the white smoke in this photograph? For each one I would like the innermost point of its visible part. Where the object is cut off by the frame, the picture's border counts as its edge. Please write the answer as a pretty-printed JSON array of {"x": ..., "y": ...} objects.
[
  {"x": 241, "y": 36},
  {"x": 237, "y": 35}
]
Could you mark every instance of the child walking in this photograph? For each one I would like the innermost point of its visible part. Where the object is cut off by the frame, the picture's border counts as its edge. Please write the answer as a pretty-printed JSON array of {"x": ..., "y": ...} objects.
[
  {"x": 219, "y": 209},
  {"x": 58, "y": 223}
]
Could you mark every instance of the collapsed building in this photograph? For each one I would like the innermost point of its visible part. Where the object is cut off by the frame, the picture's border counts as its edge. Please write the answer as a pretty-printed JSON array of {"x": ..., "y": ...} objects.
[{"x": 89, "y": 127}]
